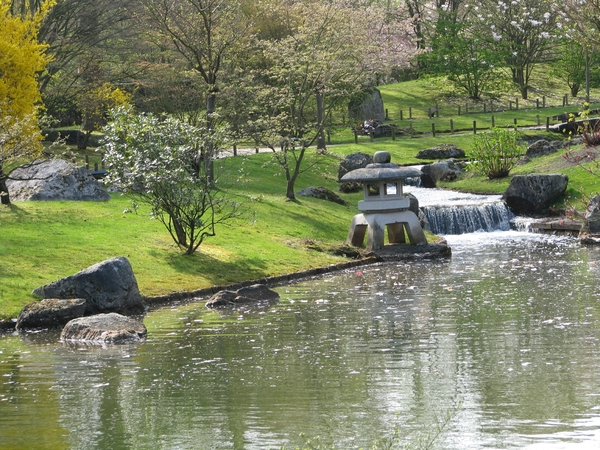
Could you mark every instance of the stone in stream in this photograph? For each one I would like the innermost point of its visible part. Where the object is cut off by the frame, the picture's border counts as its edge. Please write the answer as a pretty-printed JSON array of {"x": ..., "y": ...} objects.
[{"x": 111, "y": 328}]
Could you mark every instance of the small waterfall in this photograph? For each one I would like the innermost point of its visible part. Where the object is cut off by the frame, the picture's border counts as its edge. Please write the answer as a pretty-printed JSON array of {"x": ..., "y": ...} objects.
[{"x": 460, "y": 219}]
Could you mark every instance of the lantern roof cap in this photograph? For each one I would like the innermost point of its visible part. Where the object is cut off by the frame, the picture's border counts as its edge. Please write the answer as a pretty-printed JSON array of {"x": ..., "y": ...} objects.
[{"x": 381, "y": 170}]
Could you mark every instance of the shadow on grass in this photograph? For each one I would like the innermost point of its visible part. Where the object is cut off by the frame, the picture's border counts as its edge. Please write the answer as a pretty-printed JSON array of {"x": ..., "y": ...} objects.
[{"x": 214, "y": 270}]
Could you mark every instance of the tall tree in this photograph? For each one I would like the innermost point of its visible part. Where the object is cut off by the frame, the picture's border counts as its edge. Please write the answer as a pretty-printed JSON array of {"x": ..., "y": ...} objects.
[
  {"x": 301, "y": 77},
  {"x": 205, "y": 33},
  {"x": 89, "y": 41},
  {"x": 22, "y": 59},
  {"x": 465, "y": 53},
  {"x": 524, "y": 31}
]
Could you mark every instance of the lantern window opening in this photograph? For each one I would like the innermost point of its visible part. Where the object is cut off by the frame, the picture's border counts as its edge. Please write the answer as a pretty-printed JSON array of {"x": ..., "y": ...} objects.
[
  {"x": 372, "y": 190},
  {"x": 391, "y": 189}
]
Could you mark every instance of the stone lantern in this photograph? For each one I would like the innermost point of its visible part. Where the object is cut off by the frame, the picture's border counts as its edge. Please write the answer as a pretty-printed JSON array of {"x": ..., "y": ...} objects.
[{"x": 384, "y": 205}]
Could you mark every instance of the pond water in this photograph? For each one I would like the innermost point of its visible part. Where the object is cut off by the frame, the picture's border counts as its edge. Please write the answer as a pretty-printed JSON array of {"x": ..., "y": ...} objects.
[{"x": 498, "y": 345}]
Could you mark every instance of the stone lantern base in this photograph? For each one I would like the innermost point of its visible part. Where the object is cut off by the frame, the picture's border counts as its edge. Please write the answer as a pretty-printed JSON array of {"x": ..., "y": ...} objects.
[{"x": 375, "y": 222}]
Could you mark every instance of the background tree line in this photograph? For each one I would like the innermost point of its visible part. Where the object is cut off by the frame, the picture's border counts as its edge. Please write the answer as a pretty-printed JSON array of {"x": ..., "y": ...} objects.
[{"x": 271, "y": 72}]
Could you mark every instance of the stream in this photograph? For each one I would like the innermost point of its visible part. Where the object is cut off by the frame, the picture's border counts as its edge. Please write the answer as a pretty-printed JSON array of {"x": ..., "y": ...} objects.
[{"x": 499, "y": 347}]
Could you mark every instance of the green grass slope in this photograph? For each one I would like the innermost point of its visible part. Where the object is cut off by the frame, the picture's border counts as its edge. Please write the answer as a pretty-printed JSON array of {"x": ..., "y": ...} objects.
[{"x": 44, "y": 241}]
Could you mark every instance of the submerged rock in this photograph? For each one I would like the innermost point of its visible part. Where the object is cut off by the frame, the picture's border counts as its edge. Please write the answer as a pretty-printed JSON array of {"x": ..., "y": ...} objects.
[
  {"x": 256, "y": 293},
  {"x": 111, "y": 328}
]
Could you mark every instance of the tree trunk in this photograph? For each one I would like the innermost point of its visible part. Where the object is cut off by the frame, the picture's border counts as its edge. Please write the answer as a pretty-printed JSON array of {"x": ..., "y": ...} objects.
[
  {"x": 518, "y": 76},
  {"x": 179, "y": 232},
  {"x": 320, "y": 119},
  {"x": 575, "y": 89},
  {"x": 209, "y": 155},
  {"x": 4, "y": 197},
  {"x": 291, "y": 178}
]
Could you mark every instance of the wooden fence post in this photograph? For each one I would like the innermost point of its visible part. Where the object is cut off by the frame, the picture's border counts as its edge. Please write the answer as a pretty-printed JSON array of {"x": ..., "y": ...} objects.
[
  {"x": 515, "y": 122},
  {"x": 493, "y": 122},
  {"x": 474, "y": 127},
  {"x": 87, "y": 162},
  {"x": 459, "y": 110},
  {"x": 234, "y": 149},
  {"x": 387, "y": 117},
  {"x": 410, "y": 112},
  {"x": 433, "y": 129},
  {"x": 401, "y": 118},
  {"x": 516, "y": 103},
  {"x": 452, "y": 126},
  {"x": 547, "y": 123},
  {"x": 538, "y": 119}
]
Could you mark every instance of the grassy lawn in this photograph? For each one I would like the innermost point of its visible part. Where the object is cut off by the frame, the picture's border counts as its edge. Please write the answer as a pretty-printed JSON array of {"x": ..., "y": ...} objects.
[{"x": 44, "y": 241}]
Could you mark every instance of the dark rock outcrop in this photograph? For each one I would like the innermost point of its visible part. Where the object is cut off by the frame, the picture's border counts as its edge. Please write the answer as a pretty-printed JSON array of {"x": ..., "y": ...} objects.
[
  {"x": 352, "y": 162},
  {"x": 534, "y": 194},
  {"x": 543, "y": 147},
  {"x": 443, "y": 151},
  {"x": 107, "y": 286},
  {"x": 367, "y": 106},
  {"x": 322, "y": 193},
  {"x": 257, "y": 293},
  {"x": 111, "y": 328},
  {"x": 439, "y": 171},
  {"x": 54, "y": 179},
  {"x": 50, "y": 313}
]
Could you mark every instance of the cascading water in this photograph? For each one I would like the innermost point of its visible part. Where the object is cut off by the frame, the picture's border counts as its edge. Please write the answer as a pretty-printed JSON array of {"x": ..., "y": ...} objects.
[
  {"x": 467, "y": 218},
  {"x": 448, "y": 212}
]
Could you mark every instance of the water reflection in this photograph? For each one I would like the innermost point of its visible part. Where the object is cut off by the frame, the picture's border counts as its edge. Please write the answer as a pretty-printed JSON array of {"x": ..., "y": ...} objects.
[{"x": 504, "y": 336}]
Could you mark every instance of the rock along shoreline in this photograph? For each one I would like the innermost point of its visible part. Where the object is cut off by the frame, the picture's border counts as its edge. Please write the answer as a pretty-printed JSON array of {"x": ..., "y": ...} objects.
[{"x": 398, "y": 253}]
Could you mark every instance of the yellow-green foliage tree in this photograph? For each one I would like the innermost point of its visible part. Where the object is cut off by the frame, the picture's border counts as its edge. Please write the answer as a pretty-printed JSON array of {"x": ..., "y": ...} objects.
[
  {"x": 22, "y": 59},
  {"x": 95, "y": 102}
]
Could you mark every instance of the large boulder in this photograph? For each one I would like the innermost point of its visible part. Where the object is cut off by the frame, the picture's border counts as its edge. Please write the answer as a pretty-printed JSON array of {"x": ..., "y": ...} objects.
[
  {"x": 352, "y": 162},
  {"x": 322, "y": 193},
  {"x": 543, "y": 147},
  {"x": 367, "y": 106},
  {"x": 439, "y": 171},
  {"x": 107, "y": 286},
  {"x": 255, "y": 294},
  {"x": 54, "y": 179},
  {"x": 534, "y": 194},
  {"x": 111, "y": 328},
  {"x": 50, "y": 313},
  {"x": 442, "y": 151},
  {"x": 590, "y": 228}
]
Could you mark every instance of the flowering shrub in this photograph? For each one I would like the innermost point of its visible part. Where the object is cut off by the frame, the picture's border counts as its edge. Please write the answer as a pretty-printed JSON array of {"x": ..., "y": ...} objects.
[{"x": 163, "y": 162}]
